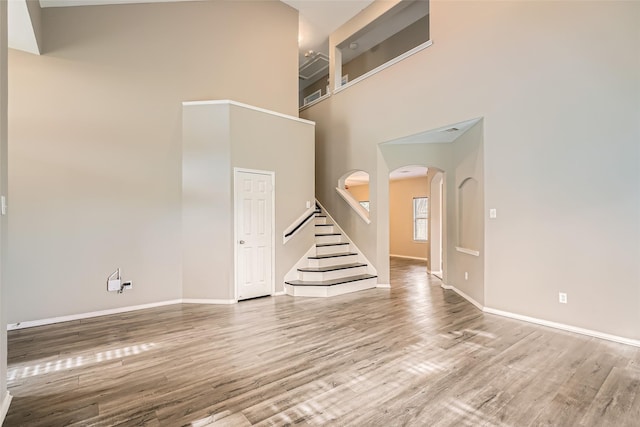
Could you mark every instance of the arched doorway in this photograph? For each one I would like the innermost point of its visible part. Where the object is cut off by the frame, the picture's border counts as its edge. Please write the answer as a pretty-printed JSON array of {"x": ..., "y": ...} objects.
[
  {"x": 457, "y": 152},
  {"x": 409, "y": 212},
  {"x": 416, "y": 219}
]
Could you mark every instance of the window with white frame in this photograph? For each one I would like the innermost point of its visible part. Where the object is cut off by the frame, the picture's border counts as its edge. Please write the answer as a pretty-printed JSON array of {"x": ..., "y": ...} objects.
[{"x": 420, "y": 218}]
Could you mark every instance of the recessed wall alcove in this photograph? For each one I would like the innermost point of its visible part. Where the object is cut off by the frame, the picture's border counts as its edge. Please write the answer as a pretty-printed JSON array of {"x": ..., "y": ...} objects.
[{"x": 469, "y": 217}]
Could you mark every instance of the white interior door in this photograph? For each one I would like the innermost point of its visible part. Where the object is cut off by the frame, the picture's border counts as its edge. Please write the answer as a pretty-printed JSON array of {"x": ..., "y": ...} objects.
[{"x": 254, "y": 233}]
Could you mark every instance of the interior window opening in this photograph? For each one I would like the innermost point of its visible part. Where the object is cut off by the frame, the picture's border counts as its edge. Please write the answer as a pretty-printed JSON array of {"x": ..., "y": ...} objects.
[
  {"x": 354, "y": 189},
  {"x": 401, "y": 29}
]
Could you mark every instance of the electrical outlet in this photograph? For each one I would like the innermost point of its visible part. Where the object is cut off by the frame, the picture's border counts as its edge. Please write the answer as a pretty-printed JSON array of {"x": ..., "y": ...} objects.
[
  {"x": 466, "y": 275},
  {"x": 493, "y": 213},
  {"x": 562, "y": 298}
]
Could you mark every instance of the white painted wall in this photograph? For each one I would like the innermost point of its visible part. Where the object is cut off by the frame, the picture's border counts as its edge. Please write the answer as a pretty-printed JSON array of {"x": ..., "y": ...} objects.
[{"x": 557, "y": 85}]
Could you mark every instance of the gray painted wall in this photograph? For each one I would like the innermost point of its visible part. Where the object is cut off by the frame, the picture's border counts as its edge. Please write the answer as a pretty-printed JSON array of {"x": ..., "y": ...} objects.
[
  {"x": 207, "y": 213},
  {"x": 96, "y": 127},
  {"x": 557, "y": 85}
]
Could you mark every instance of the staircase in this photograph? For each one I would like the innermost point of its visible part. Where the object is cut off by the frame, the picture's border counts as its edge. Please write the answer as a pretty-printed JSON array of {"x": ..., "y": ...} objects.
[{"x": 334, "y": 269}]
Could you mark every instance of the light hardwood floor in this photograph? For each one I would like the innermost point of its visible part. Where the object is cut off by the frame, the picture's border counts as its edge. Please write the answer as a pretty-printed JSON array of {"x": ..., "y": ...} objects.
[{"x": 414, "y": 355}]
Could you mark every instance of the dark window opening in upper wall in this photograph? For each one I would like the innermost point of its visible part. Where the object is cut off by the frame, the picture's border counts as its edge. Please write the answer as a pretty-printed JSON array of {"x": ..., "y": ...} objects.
[
  {"x": 313, "y": 77},
  {"x": 314, "y": 89},
  {"x": 401, "y": 29}
]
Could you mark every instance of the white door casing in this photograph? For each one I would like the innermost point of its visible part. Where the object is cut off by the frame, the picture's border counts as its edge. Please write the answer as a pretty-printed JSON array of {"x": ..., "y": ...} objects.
[
  {"x": 436, "y": 218},
  {"x": 254, "y": 233}
]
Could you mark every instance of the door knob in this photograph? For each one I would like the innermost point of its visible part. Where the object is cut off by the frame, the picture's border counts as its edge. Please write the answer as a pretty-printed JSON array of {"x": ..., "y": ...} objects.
[{"x": 241, "y": 242}]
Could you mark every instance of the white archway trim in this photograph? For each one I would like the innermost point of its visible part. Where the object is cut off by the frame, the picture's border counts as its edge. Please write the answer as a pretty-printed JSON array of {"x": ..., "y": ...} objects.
[
  {"x": 355, "y": 205},
  {"x": 468, "y": 251}
]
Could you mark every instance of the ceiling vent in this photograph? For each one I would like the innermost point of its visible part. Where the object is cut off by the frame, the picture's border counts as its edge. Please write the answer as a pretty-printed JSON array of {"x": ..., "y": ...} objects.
[{"x": 316, "y": 64}]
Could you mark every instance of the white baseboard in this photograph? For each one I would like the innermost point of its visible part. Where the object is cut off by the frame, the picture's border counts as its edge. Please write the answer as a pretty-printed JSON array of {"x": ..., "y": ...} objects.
[
  {"x": 463, "y": 295},
  {"x": 562, "y": 326},
  {"x": 4, "y": 408},
  {"x": 548, "y": 323},
  {"x": 208, "y": 301},
  {"x": 277, "y": 294},
  {"x": 383, "y": 285},
  {"x": 409, "y": 257},
  {"x": 42, "y": 322},
  {"x": 52, "y": 320}
]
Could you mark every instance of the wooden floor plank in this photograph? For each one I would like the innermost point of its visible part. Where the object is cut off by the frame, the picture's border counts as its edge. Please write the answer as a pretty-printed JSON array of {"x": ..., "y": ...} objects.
[
  {"x": 617, "y": 401},
  {"x": 412, "y": 355}
]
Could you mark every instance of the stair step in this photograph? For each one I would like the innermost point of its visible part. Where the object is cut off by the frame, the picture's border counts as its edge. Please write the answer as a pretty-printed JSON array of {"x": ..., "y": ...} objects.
[
  {"x": 325, "y": 260},
  {"x": 325, "y": 229},
  {"x": 332, "y": 248},
  {"x": 322, "y": 238},
  {"x": 329, "y": 288},
  {"x": 332, "y": 282},
  {"x": 332, "y": 267},
  {"x": 332, "y": 255},
  {"x": 331, "y": 272},
  {"x": 320, "y": 219}
]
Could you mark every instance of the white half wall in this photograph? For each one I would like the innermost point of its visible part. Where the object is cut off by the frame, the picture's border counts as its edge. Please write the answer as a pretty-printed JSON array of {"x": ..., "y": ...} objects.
[{"x": 219, "y": 136}]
